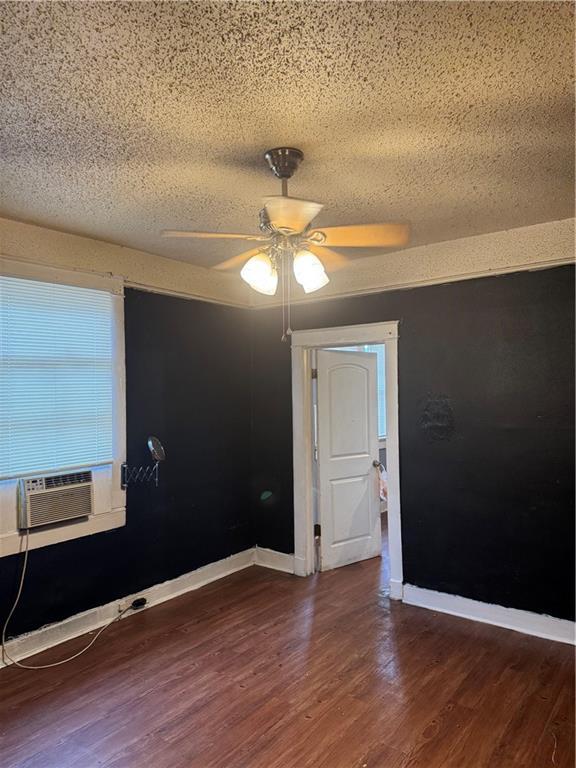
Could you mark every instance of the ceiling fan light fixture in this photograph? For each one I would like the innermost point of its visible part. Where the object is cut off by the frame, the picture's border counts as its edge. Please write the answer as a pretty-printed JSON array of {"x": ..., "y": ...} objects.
[
  {"x": 286, "y": 233},
  {"x": 319, "y": 281},
  {"x": 260, "y": 274},
  {"x": 309, "y": 271}
]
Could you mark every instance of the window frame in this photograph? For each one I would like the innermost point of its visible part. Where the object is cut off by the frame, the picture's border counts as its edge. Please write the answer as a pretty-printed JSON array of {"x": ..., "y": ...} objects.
[{"x": 110, "y": 498}]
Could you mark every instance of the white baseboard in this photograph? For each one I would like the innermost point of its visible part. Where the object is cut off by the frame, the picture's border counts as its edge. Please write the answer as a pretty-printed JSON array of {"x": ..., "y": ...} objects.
[
  {"x": 529, "y": 623},
  {"x": 278, "y": 561},
  {"x": 396, "y": 589},
  {"x": 53, "y": 634},
  {"x": 300, "y": 568}
]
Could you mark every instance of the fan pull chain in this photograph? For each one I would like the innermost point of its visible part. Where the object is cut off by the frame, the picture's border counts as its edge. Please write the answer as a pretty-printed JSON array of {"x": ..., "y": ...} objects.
[
  {"x": 289, "y": 303},
  {"x": 286, "y": 298},
  {"x": 283, "y": 281},
  {"x": 286, "y": 330}
]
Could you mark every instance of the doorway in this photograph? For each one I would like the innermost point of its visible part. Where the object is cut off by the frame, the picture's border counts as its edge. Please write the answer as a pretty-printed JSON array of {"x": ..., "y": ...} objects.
[{"x": 358, "y": 482}]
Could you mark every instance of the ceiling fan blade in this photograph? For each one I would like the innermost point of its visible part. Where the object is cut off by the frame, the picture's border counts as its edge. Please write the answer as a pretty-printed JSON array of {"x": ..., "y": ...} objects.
[
  {"x": 237, "y": 261},
  {"x": 210, "y": 235},
  {"x": 290, "y": 213},
  {"x": 332, "y": 260},
  {"x": 365, "y": 235}
]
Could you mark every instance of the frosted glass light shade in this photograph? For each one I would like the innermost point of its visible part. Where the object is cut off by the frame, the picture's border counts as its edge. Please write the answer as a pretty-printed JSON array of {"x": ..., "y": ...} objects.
[
  {"x": 260, "y": 274},
  {"x": 269, "y": 285},
  {"x": 319, "y": 280},
  {"x": 309, "y": 271}
]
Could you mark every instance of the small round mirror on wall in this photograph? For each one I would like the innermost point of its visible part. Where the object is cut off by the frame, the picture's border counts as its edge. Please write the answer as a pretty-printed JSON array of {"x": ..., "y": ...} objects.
[{"x": 156, "y": 448}]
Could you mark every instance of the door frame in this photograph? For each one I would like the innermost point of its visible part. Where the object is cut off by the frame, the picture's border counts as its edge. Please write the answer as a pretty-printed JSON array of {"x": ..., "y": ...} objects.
[{"x": 302, "y": 439}]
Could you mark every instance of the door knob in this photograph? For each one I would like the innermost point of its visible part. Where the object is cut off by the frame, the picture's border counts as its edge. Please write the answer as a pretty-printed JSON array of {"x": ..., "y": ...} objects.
[{"x": 376, "y": 464}]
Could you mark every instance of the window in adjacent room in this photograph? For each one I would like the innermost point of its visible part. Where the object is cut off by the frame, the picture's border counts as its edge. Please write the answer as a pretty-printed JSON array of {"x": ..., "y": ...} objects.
[{"x": 380, "y": 351}]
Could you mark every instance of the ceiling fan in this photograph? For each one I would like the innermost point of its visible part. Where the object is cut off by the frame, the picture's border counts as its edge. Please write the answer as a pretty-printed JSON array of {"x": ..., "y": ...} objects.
[{"x": 287, "y": 237}]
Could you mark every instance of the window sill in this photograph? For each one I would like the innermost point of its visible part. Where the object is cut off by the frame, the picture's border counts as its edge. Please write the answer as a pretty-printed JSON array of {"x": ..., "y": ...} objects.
[{"x": 12, "y": 543}]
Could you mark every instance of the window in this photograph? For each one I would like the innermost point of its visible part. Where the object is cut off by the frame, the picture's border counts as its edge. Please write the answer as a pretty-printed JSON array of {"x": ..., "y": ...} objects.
[
  {"x": 380, "y": 350},
  {"x": 56, "y": 377},
  {"x": 62, "y": 392}
]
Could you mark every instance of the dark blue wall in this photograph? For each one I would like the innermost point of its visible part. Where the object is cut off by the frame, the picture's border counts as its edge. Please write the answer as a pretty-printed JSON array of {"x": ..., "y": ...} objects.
[
  {"x": 488, "y": 511},
  {"x": 188, "y": 381}
]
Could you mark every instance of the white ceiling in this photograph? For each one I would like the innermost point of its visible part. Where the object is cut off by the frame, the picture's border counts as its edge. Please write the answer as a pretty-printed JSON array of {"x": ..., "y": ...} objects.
[{"x": 120, "y": 119}]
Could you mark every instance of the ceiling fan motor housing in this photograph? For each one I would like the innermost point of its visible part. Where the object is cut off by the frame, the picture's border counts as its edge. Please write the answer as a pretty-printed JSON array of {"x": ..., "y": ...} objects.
[{"x": 284, "y": 161}]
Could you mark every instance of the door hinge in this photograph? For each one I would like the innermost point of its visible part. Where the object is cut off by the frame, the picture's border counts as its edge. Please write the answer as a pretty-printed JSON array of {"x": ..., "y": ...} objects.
[
  {"x": 317, "y": 530},
  {"x": 314, "y": 373}
]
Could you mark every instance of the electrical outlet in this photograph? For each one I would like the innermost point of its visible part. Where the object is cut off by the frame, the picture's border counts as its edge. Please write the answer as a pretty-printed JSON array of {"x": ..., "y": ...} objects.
[{"x": 132, "y": 603}]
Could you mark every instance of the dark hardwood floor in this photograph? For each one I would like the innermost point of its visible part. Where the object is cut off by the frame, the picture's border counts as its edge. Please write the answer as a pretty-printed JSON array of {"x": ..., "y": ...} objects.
[{"x": 266, "y": 670}]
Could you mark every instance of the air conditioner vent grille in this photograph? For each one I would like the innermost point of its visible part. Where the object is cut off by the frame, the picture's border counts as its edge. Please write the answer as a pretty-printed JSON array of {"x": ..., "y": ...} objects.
[
  {"x": 60, "y": 505},
  {"x": 54, "y": 499},
  {"x": 57, "y": 481}
]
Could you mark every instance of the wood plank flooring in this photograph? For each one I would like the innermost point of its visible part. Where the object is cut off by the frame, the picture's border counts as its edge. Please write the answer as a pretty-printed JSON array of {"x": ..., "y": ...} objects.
[{"x": 266, "y": 670}]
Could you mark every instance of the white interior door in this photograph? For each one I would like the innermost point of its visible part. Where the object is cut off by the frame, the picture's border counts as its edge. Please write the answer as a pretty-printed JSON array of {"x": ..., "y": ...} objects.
[{"x": 349, "y": 503}]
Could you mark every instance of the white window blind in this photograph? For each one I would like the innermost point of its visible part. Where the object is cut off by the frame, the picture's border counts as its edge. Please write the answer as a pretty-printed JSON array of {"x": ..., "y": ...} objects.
[{"x": 56, "y": 377}]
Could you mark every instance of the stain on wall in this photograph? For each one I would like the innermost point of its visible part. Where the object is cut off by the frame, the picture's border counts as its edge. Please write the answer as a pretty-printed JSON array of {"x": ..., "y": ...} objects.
[{"x": 437, "y": 418}]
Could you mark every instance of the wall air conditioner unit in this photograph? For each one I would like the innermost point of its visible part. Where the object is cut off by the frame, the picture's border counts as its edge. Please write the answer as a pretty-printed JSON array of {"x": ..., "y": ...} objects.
[{"x": 54, "y": 499}]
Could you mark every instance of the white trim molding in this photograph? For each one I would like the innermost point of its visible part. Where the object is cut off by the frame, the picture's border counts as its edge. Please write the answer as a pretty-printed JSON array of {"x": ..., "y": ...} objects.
[
  {"x": 277, "y": 561},
  {"x": 110, "y": 498},
  {"x": 396, "y": 589},
  {"x": 302, "y": 448},
  {"x": 548, "y": 627},
  {"x": 540, "y": 246},
  {"x": 86, "y": 256},
  {"x": 365, "y": 333},
  {"x": 53, "y": 634},
  {"x": 47, "y": 274},
  {"x": 11, "y": 543}
]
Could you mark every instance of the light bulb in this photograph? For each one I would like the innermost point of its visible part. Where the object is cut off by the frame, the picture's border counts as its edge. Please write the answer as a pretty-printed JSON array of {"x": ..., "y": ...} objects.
[
  {"x": 260, "y": 274},
  {"x": 309, "y": 271}
]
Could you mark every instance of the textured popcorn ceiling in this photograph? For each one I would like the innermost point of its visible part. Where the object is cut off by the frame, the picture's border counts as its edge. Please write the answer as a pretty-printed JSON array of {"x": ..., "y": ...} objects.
[{"x": 120, "y": 119}]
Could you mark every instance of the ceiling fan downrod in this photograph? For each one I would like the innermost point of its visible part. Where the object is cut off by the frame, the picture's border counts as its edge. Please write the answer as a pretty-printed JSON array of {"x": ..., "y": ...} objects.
[{"x": 284, "y": 162}]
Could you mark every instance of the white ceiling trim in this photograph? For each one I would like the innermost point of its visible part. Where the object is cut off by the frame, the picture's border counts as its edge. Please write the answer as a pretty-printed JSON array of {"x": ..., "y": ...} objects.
[
  {"x": 526, "y": 248},
  {"x": 138, "y": 269}
]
